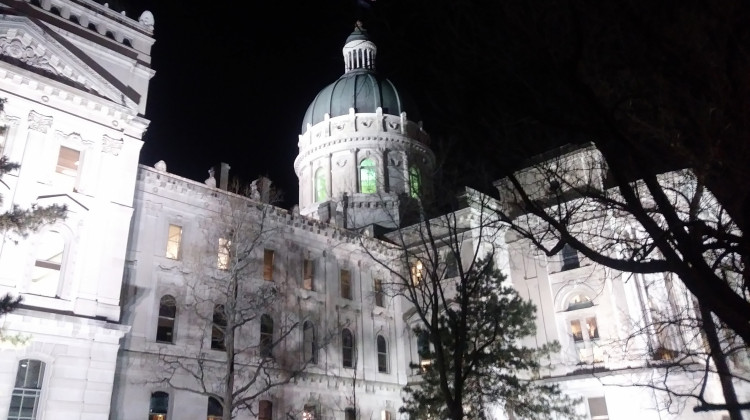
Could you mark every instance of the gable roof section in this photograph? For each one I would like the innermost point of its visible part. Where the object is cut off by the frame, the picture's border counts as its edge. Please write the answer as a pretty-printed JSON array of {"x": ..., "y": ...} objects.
[{"x": 29, "y": 44}]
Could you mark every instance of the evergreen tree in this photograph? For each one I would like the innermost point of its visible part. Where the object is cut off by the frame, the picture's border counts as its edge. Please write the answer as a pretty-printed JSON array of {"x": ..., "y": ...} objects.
[{"x": 476, "y": 359}]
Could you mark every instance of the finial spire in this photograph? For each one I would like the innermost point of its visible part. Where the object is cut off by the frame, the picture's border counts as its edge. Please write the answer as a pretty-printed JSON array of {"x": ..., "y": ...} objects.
[{"x": 359, "y": 51}]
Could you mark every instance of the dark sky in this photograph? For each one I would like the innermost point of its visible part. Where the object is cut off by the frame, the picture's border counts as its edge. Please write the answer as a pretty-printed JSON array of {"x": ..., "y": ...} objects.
[{"x": 233, "y": 81}]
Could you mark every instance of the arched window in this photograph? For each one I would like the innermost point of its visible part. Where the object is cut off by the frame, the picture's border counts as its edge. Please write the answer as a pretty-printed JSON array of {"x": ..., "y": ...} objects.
[
  {"x": 45, "y": 277},
  {"x": 579, "y": 301},
  {"x": 382, "y": 354},
  {"x": 218, "y": 328},
  {"x": 215, "y": 410},
  {"x": 350, "y": 413},
  {"x": 266, "y": 335},
  {"x": 415, "y": 181},
  {"x": 321, "y": 185},
  {"x": 367, "y": 177},
  {"x": 159, "y": 406},
  {"x": 347, "y": 348},
  {"x": 167, "y": 314},
  {"x": 265, "y": 410},
  {"x": 24, "y": 402},
  {"x": 309, "y": 350}
]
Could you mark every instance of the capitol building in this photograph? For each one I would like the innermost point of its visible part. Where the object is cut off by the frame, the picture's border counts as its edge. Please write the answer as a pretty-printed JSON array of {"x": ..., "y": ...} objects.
[{"x": 128, "y": 301}]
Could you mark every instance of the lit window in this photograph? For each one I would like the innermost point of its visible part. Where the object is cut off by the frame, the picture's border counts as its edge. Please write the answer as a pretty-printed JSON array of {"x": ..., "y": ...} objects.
[
  {"x": 45, "y": 277},
  {"x": 266, "y": 335},
  {"x": 24, "y": 402},
  {"x": 415, "y": 181},
  {"x": 417, "y": 273},
  {"x": 592, "y": 328},
  {"x": 579, "y": 301},
  {"x": 218, "y": 328},
  {"x": 265, "y": 410},
  {"x": 215, "y": 410},
  {"x": 347, "y": 348},
  {"x": 310, "y": 412},
  {"x": 350, "y": 413},
  {"x": 174, "y": 237},
  {"x": 385, "y": 415},
  {"x": 159, "y": 406},
  {"x": 569, "y": 258},
  {"x": 575, "y": 329},
  {"x": 382, "y": 354},
  {"x": 346, "y": 284},
  {"x": 378, "y": 290},
  {"x": 598, "y": 408},
  {"x": 321, "y": 186},
  {"x": 367, "y": 177},
  {"x": 307, "y": 275},
  {"x": 223, "y": 259},
  {"x": 268, "y": 264},
  {"x": 167, "y": 314},
  {"x": 309, "y": 349},
  {"x": 67, "y": 166}
]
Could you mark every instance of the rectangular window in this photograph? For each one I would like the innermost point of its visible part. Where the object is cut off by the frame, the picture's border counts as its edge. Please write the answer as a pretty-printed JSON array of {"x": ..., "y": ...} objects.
[
  {"x": 575, "y": 329},
  {"x": 350, "y": 413},
  {"x": 385, "y": 415},
  {"x": 598, "y": 408},
  {"x": 592, "y": 328},
  {"x": 378, "y": 290},
  {"x": 569, "y": 258},
  {"x": 307, "y": 275},
  {"x": 67, "y": 167},
  {"x": 310, "y": 412},
  {"x": 346, "y": 284},
  {"x": 223, "y": 258},
  {"x": 218, "y": 328},
  {"x": 268, "y": 264},
  {"x": 174, "y": 238}
]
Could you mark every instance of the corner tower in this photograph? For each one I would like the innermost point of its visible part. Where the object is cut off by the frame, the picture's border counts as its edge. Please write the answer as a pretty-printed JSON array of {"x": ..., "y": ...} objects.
[{"x": 363, "y": 157}]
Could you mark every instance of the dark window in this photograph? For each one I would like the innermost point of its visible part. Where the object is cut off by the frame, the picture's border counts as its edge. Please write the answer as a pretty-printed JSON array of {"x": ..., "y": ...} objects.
[
  {"x": 310, "y": 412},
  {"x": 219, "y": 328},
  {"x": 569, "y": 258},
  {"x": 347, "y": 348},
  {"x": 167, "y": 315},
  {"x": 55, "y": 11},
  {"x": 92, "y": 26},
  {"x": 74, "y": 19},
  {"x": 265, "y": 410},
  {"x": 382, "y": 354},
  {"x": 309, "y": 350},
  {"x": 451, "y": 265},
  {"x": 423, "y": 345},
  {"x": 24, "y": 402},
  {"x": 350, "y": 413},
  {"x": 110, "y": 35},
  {"x": 215, "y": 410},
  {"x": 266, "y": 335},
  {"x": 159, "y": 406},
  {"x": 378, "y": 290},
  {"x": 127, "y": 42},
  {"x": 346, "y": 284}
]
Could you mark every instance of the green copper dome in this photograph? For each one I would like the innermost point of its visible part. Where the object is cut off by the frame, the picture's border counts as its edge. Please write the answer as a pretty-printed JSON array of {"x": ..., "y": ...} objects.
[{"x": 360, "y": 87}]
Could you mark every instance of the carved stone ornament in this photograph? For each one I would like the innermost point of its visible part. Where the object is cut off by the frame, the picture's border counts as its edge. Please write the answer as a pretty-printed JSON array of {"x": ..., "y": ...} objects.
[
  {"x": 111, "y": 145},
  {"x": 39, "y": 122},
  {"x": 367, "y": 123},
  {"x": 21, "y": 49},
  {"x": 73, "y": 137},
  {"x": 394, "y": 125},
  {"x": 161, "y": 166},
  {"x": 395, "y": 162},
  {"x": 340, "y": 126},
  {"x": 341, "y": 162}
]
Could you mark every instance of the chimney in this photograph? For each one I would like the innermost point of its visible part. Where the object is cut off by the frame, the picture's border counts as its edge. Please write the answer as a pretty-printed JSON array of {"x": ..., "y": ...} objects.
[{"x": 222, "y": 175}]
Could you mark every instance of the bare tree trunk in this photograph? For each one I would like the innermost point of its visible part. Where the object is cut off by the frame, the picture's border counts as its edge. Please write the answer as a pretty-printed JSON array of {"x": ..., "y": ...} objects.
[{"x": 720, "y": 360}]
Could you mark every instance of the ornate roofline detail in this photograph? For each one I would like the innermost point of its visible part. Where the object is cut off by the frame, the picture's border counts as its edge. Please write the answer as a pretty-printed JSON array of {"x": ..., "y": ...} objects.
[{"x": 39, "y": 122}]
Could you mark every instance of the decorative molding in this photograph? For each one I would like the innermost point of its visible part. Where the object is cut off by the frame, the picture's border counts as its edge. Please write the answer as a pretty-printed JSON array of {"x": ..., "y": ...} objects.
[
  {"x": 39, "y": 122},
  {"x": 111, "y": 145}
]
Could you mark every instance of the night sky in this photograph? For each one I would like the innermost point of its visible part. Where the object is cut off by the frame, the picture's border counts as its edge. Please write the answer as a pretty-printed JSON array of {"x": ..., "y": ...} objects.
[{"x": 233, "y": 81}]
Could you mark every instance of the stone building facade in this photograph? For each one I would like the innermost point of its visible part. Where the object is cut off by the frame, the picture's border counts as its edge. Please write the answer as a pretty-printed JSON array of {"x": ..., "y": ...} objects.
[{"x": 110, "y": 292}]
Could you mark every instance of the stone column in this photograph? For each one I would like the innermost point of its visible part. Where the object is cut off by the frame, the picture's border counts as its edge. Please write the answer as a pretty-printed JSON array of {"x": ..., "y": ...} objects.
[
  {"x": 39, "y": 125},
  {"x": 329, "y": 175},
  {"x": 355, "y": 166}
]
